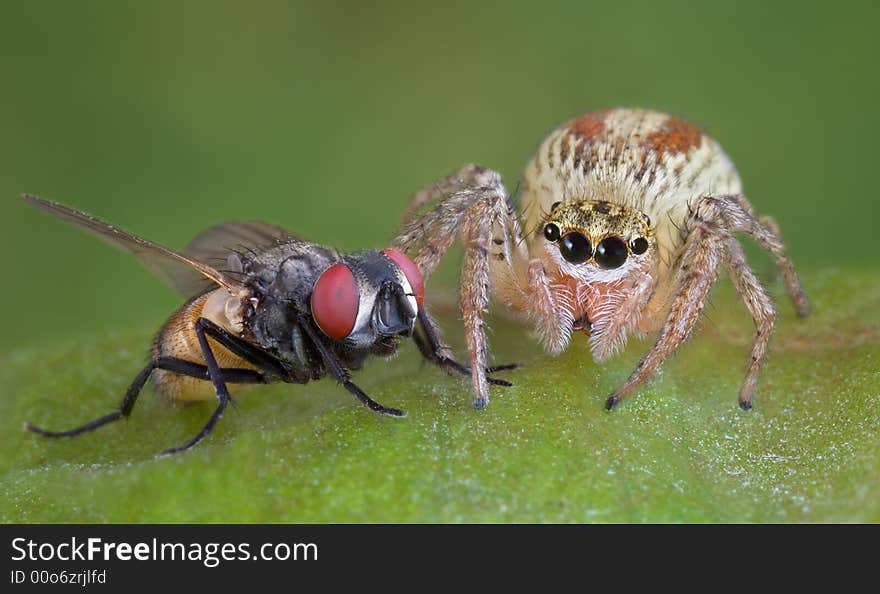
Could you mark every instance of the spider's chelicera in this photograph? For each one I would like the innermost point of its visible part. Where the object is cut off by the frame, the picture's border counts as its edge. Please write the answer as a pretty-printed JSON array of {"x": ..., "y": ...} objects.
[{"x": 629, "y": 216}]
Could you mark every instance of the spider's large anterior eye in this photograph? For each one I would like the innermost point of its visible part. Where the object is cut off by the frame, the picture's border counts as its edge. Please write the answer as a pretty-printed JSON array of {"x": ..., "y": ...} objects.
[
  {"x": 551, "y": 232},
  {"x": 611, "y": 252},
  {"x": 576, "y": 248},
  {"x": 639, "y": 245},
  {"x": 335, "y": 301}
]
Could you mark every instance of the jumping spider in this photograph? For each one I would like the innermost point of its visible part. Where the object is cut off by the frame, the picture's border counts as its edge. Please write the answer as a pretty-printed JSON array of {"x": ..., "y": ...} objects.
[{"x": 629, "y": 215}]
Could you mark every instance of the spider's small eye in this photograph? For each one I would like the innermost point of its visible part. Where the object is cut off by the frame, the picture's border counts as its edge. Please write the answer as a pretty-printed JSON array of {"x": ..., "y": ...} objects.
[
  {"x": 646, "y": 219},
  {"x": 639, "y": 245},
  {"x": 551, "y": 232},
  {"x": 554, "y": 206},
  {"x": 576, "y": 248},
  {"x": 611, "y": 252}
]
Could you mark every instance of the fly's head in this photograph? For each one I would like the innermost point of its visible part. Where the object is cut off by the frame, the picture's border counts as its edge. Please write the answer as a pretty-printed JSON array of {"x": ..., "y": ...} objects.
[
  {"x": 592, "y": 241},
  {"x": 368, "y": 300}
]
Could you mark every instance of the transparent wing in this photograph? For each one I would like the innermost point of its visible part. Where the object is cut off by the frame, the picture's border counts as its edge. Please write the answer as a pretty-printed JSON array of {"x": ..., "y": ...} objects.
[
  {"x": 215, "y": 244},
  {"x": 179, "y": 270}
]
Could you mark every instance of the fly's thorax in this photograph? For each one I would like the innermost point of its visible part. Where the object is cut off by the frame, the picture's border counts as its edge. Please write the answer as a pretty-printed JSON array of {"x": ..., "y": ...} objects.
[
  {"x": 280, "y": 279},
  {"x": 288, "y": 270}
]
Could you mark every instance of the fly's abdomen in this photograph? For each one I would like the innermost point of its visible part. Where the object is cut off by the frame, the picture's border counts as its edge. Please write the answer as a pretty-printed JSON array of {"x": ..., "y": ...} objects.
[{"x": 178, "y": 339}]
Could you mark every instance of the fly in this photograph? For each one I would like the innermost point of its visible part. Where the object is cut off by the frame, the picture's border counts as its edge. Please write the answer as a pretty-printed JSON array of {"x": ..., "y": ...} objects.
[{"x": 281, "y": 310}]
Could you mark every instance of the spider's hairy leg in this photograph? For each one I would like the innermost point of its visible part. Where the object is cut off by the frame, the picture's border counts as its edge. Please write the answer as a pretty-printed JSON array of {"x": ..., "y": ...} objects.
[
  {"x": 763, "y": 313},
  {"x": 432, "y": 233},
  {"x": 764, "y": 230},
  {"x": 468, "y": 176},
  {"x": 697, "y": 271},
  {"x": 479, "y": 213},
  {"x": 436, "y": 351}
]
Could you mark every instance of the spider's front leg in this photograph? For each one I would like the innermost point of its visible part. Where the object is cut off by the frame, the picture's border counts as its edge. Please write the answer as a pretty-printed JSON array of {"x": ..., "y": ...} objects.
[
  {"x": 697, "y": 270},
  {"x": 436, "y": 351},
  {"x": 473, "y": 204},
  {"x": 709, "y": 244}
]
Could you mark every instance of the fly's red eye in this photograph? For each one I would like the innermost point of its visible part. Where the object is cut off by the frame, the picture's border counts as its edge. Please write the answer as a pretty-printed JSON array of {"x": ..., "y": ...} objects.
[
  {"x": 411, "y": 271},
  {"x": 335, "y": 301}
]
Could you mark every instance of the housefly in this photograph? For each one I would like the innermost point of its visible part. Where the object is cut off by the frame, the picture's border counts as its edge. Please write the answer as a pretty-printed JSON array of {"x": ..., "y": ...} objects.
[{"x": 277, "y": 308}]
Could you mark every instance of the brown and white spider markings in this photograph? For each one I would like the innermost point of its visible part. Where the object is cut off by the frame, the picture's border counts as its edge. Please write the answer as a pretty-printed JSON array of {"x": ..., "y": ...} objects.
[{"x": 629, "y": 215}]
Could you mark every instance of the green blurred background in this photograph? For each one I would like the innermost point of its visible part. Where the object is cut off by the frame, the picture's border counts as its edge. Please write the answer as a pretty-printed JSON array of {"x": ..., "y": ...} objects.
[{"x": 165, "y": 117}]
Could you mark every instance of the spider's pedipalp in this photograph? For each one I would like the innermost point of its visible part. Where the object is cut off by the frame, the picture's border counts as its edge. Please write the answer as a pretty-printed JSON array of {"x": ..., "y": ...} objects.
[{"x": 609, "y": 332}]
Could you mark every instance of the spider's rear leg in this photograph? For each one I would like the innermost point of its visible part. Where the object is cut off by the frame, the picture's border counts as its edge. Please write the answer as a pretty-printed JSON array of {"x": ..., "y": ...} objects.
[
  {"x": 741, "y": 217},
  {"x": 762, "y": 310},
  {"x": 477, "y": 210}
]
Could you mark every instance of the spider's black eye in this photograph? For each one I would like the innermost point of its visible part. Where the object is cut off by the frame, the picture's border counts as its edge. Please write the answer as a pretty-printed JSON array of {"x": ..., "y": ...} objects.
[
  {"x": 576, "y": 248},
  {"x": 639, "y": 245},
  {"x": 611, "y": 252},
  {"x": 551, "y": 232}
]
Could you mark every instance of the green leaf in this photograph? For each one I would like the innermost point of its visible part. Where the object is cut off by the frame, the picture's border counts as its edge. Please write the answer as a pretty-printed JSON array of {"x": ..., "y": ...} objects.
[{"x": 543, "y": 451}]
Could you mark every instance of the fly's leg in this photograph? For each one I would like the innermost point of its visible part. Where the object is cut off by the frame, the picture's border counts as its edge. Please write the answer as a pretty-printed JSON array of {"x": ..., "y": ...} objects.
[
  {"x": 124, "y": 409},
  {"x": 434, "y": 350},
  {"x": 268, "y": 364},
  {"x": 338, "y": 371},
  {"x": 477, "y": 210},
  {"x": 231, "y": 375},
  {"x": 272, "y": 368},
  {"x": 236, "y": 376},
  {"x": 697, "y": 271},
  {"x": 203, "y": 327}
]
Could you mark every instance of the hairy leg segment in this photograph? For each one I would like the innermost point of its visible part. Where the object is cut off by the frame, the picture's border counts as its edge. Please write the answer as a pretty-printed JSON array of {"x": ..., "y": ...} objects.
[
  {"x": 710, "y": 244},
  {"x": 471, "y": 204}
]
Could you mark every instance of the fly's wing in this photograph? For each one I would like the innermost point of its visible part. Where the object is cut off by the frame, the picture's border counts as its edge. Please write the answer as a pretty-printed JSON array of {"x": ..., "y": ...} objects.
[
  {"x": 177, "y": 269},
  {"x": 220, "y": 245}
]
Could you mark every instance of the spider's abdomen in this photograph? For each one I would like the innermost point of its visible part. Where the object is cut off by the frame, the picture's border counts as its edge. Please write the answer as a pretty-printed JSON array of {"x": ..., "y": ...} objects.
[{"x": 643, "y": 159}]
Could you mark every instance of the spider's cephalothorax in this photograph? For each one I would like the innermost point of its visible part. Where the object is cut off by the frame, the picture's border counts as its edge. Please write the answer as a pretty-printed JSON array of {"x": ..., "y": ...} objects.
[
  {"x": 628, "y": 214},
  {"x": 598, "y": 251}
]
